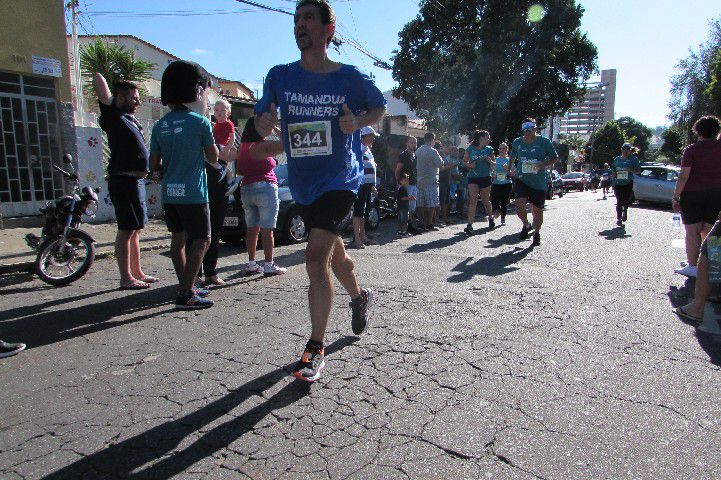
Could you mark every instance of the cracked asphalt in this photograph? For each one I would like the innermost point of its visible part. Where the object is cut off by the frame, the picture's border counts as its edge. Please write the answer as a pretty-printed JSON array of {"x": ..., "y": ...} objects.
[{"x": 485, "y": 359}]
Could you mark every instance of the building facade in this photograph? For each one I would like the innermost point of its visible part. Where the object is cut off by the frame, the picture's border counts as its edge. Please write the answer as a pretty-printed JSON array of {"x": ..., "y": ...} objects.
[{"x": 36, "y": 121}]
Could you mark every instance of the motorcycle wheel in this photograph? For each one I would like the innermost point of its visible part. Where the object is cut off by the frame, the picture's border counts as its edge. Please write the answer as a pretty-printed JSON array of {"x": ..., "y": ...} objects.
[{"x": 57, "y": 269}]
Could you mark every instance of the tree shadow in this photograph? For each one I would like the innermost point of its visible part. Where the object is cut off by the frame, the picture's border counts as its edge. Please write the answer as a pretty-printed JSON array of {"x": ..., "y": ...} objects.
[
  {"x": 489, "y": 266},
  {"x": 125, "y": 459},
  {"x": 615, "y": 233}
]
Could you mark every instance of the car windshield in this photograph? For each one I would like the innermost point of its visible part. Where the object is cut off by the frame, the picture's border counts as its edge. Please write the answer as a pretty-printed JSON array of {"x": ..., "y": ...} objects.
[{"x": 572, "y": 175}]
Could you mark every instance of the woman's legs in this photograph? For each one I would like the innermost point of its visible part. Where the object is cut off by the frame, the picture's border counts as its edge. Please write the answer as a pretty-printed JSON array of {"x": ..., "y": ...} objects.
[
  {"x": 218, "y": 205},
  {"x": 251, "y": 242},
  {"x": 505, "y": 196},
  {"x": 472, "y": 202},
  {"x": 268, "y": 243},
  {"x": 496, "y": 199},
  {"x": 693, "y": 242},
  {"x": 486, "y": 200}
]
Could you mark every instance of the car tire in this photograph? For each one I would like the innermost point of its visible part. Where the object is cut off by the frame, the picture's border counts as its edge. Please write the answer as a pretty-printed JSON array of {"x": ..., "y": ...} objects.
[{"x": 294, "y": 230}]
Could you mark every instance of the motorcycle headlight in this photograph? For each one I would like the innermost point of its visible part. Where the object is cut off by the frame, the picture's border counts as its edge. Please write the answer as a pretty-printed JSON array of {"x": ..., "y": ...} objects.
[{"x": 91, "y": 208}]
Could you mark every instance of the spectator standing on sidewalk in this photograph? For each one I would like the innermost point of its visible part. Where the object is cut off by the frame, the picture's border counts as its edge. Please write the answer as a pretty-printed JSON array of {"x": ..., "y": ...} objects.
[
  {"x": 698, "y": 188},
  {"x": 181, "y": 142},
  {"x": 127, "y": 168},
  {"x": 407, "y": 163},
  {"x": 224, "y": 135},
  {"x": 403, "y": 198},
  {"x": 429, "y": 163},
  {"x": 362, "y": 204}
]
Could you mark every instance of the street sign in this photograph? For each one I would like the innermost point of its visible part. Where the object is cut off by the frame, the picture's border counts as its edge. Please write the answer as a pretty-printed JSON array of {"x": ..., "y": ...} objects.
[{"x": 47, "y": 66}]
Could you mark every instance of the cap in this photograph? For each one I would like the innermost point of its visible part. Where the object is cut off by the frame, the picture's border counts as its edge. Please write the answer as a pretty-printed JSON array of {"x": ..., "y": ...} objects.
[
  {"x": 626, "y": 146},
  {"x": 369, "y": 131}
]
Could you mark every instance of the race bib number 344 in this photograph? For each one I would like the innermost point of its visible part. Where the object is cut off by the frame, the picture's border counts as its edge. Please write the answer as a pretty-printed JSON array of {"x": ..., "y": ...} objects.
[{"x": 310, "y": 139}]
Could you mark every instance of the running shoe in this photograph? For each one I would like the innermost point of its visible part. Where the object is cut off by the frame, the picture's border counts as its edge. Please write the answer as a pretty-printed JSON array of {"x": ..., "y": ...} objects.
[
  {"x": 311, "y": 363},
  {"x": 536, "y": 239},
  {"x": 524, "y": 232},
  {"x": 359, "y": 309},
  {"x": 469, "y": 229},
  {"x": 687, "y": 271},
  {"x": 253, "y": 269},
  {"x": 191, "y": 301},
  {"x": 491, "y": 223},
  {"x": 270, "y": 269},
  {"x": 10, "y": 349},
  {"x": 201, "y": 292},
  {"x": 619, "y": 222}
]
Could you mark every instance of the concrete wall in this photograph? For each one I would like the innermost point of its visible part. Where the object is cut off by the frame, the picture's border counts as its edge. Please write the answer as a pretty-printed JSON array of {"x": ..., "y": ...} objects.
[{"x": 34, "y": 27}]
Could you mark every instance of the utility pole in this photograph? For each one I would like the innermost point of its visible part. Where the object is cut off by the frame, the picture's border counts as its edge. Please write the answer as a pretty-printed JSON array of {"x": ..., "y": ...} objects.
[{"x": 79, "y": 117}]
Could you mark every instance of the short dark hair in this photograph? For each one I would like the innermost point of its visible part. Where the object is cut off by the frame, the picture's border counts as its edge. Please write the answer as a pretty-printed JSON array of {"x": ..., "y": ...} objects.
[
  {"x": 124, "y": 87},
  {"x": 707, "y": 127},
  {"x": 327, "y": 15},
  {"x": 180, "y": 82},
  {"x": 429, "y": 137},
  {"x": 478, "y": 134},
  {"x": 250, "y": 134}
]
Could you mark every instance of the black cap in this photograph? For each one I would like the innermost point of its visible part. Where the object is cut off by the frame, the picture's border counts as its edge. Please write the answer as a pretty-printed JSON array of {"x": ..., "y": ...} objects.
[{"x": 180, "y": 82}]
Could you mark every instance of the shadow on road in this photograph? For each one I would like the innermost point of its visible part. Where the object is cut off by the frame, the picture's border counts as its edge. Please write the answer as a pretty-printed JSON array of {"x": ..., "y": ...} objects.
[
  {"x": 436, "y": 244},
  {"x": 489, "y": 266},
  {"x": 616, "y": 233},
  {"x": 508, "y": 239},
  {"x": 680, "y": 296},
  {"x": 126, "y": 459}
]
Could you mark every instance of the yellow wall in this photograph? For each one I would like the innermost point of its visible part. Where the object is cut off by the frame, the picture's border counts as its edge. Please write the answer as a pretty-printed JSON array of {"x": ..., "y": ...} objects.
[{"x": 34, "y": 27}]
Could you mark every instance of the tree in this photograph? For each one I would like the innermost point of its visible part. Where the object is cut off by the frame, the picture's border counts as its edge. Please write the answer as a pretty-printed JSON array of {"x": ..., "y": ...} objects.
[
  {"x": 470, "y": 64},
  {"x": 689, "y": 99},
  {"x": 114, "y": 62},
  {"x": 672, "y": 144},
  {"x": 606, "y": 143},
  {"x": 713, "y": 92},
  {"x": 636, "y": 133},
  {"x": 574, "y": 141}
]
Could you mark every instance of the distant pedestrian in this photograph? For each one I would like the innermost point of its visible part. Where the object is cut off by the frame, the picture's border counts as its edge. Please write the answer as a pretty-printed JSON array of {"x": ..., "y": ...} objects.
[
  {"x": 531, "y": 155},
  {"x": 429, "y": 163},
  {"x": 502, "y": 186},
  {"x": 403, "y": 199},
  {"x": 479, "y": 159},
  {"x": 605, "y": 175},
  {"x": 181, "y": 143},
  {"x": 623, "y": 168},
  {"x": 259, "y": 195},
  {"x": 224, "y": 135},
  {"x": 367, "y": 190},
  {"x": 128, "y": 166},
  {"x": 698, "y": 189},
  {"x": 445, "y": 180},
  {"x": 407, "y": 165}
]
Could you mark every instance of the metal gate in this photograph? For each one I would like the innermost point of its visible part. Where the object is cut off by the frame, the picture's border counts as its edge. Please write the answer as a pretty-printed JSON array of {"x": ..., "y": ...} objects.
[{"x": 29, "y": 144}]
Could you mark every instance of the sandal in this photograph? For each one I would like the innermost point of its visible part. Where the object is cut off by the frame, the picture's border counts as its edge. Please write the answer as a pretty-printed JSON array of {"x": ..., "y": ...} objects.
[
  {"x": 214, "y": 281},
  {"x": 149, "y": 279},
  {"x": 683, "y": 314},
  {"x": 136, "y": 285}
]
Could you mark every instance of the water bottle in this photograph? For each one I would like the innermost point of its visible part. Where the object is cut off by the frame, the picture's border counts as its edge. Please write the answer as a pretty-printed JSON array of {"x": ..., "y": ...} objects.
[{"x": 676, "y": 221}]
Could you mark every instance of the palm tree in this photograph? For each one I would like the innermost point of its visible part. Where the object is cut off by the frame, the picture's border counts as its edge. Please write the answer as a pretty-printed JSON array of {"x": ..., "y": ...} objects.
[{"x": 114, "y": 62}]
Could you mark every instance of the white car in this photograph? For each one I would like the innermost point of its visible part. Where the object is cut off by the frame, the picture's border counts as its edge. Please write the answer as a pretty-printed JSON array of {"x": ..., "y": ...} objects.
[{"x": 656, "y": 183}]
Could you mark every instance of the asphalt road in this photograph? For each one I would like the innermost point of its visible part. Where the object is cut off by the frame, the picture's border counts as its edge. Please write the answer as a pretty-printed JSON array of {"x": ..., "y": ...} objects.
[{"x": 485, "y": 359}]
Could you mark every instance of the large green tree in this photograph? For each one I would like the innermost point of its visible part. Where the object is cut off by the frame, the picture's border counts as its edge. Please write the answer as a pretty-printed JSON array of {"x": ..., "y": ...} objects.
[
  {"x": 713, "y": 91},
  {"x": 114, "y": 62},
  {"x": 636, "y": 132},
  {"x": 472, "y": 64},
  {"x": 672, "y": 144},
  {"x": 689, "y": 97},
  {"x": 606, "y": 143}
]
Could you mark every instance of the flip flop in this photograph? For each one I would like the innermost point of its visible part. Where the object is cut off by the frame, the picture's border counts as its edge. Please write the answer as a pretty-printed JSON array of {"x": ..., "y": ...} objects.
[
  {"x": 137, "y": 285},
  {"x": 686, "y": 316},
  {"x": 149, "y": 279}
]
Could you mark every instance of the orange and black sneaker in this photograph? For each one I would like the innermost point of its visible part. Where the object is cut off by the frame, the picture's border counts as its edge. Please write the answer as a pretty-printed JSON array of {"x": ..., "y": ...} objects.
[{"x": 312, "y": 363}]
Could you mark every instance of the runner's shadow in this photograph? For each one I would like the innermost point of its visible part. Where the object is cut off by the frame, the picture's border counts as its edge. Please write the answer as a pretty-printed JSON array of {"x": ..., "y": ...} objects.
[
  {"x": 489, "y": 266},
  {"x": 508, "y": 239},
  {"x": 616, "y": 233},
  {"x": 126, "y": 458},
  {"x": 437, "y": 244}
]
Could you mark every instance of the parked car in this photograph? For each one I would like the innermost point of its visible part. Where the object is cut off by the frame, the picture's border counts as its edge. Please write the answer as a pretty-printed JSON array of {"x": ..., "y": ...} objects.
[
  {"x": 290, "y": 226},
  {"x": 573, "y": 181},
  {"x": 656, "y": 183}
]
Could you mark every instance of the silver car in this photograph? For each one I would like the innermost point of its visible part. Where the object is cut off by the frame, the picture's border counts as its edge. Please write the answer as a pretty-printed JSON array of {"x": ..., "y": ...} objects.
[{"x": 655, "y": 183}]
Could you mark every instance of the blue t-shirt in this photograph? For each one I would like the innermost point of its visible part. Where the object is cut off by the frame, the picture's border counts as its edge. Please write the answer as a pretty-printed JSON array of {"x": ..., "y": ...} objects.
[
  {"x": 180, "y": 138},
  {"x": 527, "y": 155},
  {"x": 501, "y": 174},
  {"x": 483, "y": 168},
  {"x": 321, "y": 158},
  {"x": 604, "y": 174},
  {"x": 622, "y": 168}
]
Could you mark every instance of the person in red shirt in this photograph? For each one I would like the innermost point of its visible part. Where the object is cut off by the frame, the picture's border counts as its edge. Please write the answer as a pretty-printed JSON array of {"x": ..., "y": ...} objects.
[
  {"x": 698, "y": 189},
  {"x": 223, "y": 128}
]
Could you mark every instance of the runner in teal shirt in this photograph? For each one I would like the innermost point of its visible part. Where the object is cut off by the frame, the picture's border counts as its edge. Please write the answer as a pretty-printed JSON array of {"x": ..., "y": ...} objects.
[
  {"x": 477, "y": 155},
  {"x": 532, "y": 155},
  {"x": 623, "y": 168},
  {"x": 480, "y": 159}
]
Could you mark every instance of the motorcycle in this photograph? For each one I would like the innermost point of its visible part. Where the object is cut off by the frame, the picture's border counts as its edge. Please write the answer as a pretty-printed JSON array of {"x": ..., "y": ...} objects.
[
  {"x": 64, "y": 252},
  {"x": 387, "y": 202}
]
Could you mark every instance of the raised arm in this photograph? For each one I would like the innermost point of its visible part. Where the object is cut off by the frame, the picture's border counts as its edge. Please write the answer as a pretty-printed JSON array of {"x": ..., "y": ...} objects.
[{"x": 101, "y": 89}]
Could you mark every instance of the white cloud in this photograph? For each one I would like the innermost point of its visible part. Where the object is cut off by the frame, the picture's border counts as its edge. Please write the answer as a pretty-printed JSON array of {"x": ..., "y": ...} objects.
[{"x": 200, "y": 51}]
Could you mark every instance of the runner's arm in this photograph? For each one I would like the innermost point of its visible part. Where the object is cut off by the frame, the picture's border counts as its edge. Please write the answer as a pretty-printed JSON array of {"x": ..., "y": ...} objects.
[
  {"x": 211, "y": 154},
  {"x": 371, "y": 117},
  {"x": 101, "y": 89}
]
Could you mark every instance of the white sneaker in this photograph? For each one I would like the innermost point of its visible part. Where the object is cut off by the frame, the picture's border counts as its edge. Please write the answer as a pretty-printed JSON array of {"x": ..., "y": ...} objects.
[
  {"x": 688, "y": 271},
  {"x": 253, "y": 269},
  {"x": 270, "y": 269}
]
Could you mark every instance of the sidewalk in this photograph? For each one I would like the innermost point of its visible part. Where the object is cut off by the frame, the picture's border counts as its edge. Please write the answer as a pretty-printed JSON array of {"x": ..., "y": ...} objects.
[{"x": 16, "y": 256}]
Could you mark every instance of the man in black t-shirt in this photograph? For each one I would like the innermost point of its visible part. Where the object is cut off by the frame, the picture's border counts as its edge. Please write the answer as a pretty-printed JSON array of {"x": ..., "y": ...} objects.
[
  {"x": 407, "y": 165},
  {"x": 127, "y": 168}
]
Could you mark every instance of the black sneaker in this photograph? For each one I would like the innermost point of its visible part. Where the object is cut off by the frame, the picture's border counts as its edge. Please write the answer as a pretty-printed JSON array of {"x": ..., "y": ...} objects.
[
  {"x": 359, "y": 310},
  {"x": 536, "y": 239},
  {"x": 10, "y": 349},
  {"x": 192, "y": 301},
  {"x": 311, "y": 363},
  {"x": 503, "y": 220},
  {"x": 524, "y": 232},
  {"x": 491, "y": 223},
  {"x": 469, "y": 229},
  {"x": 619, "y": 222}
]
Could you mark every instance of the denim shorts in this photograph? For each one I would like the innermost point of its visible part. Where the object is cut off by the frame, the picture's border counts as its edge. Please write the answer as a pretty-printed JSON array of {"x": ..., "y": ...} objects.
[{"x": 260, "y": 204}]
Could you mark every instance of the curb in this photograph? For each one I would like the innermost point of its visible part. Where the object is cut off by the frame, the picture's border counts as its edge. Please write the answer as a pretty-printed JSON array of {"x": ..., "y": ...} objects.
[{"x": 29, "y": 267}]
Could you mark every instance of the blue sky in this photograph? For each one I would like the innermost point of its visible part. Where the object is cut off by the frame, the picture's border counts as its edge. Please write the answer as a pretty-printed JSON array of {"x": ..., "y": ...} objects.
[{"x": 642, "y": 39}]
